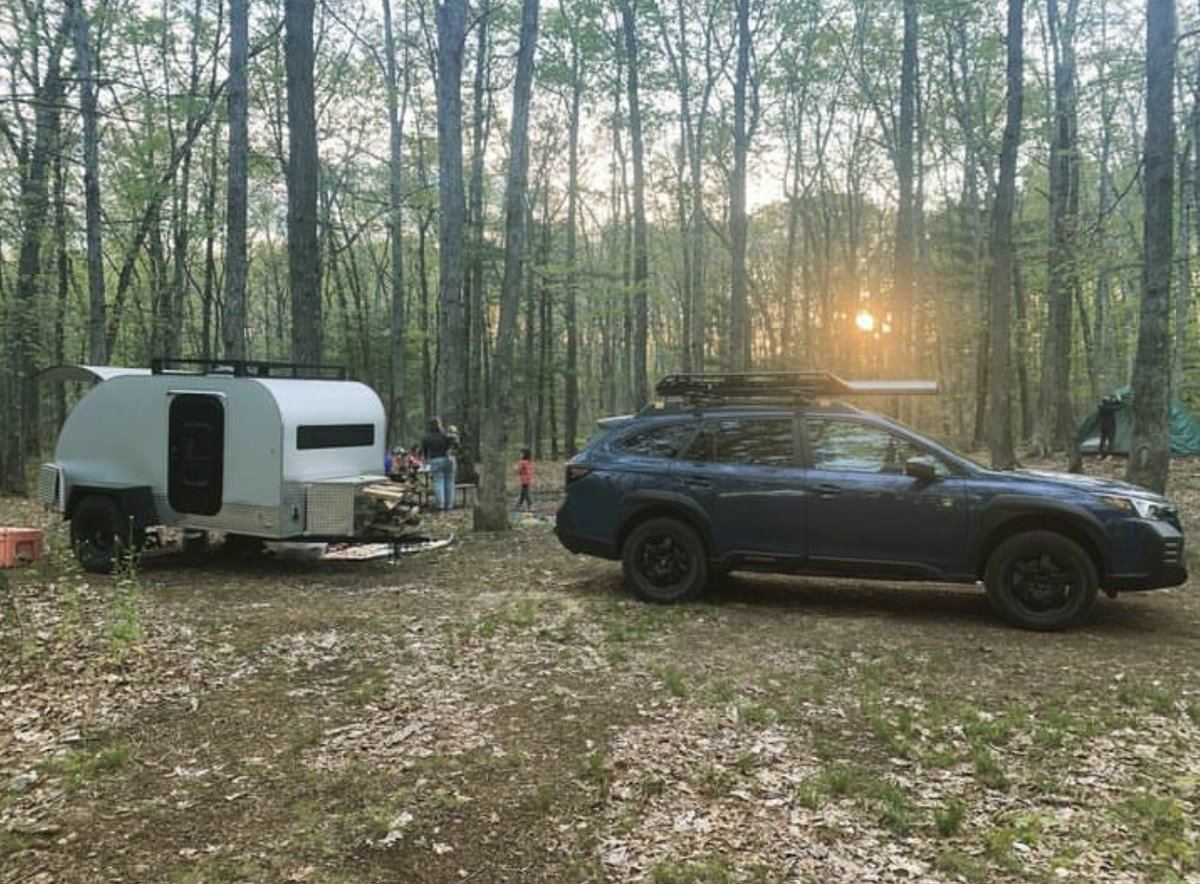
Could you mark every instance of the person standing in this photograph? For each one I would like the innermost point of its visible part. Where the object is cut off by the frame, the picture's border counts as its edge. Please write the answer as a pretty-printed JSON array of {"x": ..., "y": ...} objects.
[
  {"x": 1106, "y": 413},
  {"x": 525, "y": 477},
  {"x": 435, "y": 449}
]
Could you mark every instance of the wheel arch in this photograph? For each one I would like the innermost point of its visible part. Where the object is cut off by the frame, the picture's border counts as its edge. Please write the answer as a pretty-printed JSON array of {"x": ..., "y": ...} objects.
[
  {"x": 1078, "y": 526},
  {"x": 639, "y": 508},
  {"x": 135, "y": 502}
]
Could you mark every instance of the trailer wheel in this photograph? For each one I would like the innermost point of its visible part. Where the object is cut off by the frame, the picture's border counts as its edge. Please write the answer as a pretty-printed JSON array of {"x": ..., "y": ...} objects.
[{"x": 97, "y": 534}]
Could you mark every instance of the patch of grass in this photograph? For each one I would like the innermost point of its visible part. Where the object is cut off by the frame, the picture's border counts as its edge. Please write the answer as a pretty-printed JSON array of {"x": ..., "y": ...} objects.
[
  {"x": 1193, "y": 711},
  {"x": 958, "y": 864},
  {"x": 594, "y": 769},
  {"x": 995, "y": 730},
  {"x": 1162, "y": 701},
  {"x": 78, "y": 768},
  {"x": 894, "y": 735},
  {"x": 896, "y": 811},
  {"x": 1160, "y": 823},
  {"x": 720, "y": 691},
  {"x": 544, "y": 796},
  {"x": 755, "y": 714},
  {"x": 948, "y": 818},
  {"x": 304, "y": 738},
  {"x": 987, "y": 768},
  {"x": 716, "y": 782},
  {"x": 123, "y": 619},
  {"x": 370, "y": 688},
  {"x": 672, "y": 679},
  {"x": 712, "y": 870},
  {"x": 808, "y": 690},
  {"x": 651, "y": 786}
]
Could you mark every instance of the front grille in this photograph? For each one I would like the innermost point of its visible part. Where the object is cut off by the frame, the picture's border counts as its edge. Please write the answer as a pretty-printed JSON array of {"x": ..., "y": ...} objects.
[
  {"x": 329, "y": 509},
  {"x": 1173, "y": 551}
]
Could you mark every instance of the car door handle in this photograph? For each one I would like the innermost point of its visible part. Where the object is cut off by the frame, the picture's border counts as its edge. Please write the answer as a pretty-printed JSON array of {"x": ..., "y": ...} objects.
[
  {"x": 696, "y": 482},
  {"x": 825, "y": 492}
]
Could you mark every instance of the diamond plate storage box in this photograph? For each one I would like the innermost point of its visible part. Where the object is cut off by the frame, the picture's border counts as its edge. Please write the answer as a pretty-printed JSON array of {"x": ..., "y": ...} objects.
[{"x": 19, "y": 546}]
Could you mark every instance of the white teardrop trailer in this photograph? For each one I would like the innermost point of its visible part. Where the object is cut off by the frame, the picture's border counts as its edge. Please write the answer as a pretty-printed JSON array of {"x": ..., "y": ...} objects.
[{"x": 272, "y": 451}]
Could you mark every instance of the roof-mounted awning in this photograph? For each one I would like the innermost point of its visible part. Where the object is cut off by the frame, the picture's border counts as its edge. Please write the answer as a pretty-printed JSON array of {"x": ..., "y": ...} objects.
[{"x": 781, "y": 385}]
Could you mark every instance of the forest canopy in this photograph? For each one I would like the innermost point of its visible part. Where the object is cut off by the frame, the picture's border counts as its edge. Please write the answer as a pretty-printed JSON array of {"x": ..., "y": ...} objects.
[{"x": 699, "y": 185}]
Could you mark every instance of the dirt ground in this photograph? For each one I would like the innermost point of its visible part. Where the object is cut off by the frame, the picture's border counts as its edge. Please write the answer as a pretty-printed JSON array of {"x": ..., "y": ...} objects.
[{"x": 500, "y": 710}]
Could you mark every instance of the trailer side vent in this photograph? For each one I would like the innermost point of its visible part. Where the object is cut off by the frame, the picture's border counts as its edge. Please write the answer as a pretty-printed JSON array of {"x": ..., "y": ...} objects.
[{"x": 49, "y": 490}]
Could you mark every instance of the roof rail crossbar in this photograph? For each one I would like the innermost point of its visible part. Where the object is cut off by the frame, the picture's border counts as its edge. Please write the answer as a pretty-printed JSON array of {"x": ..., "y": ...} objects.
[{"x": 249, "y": 368}]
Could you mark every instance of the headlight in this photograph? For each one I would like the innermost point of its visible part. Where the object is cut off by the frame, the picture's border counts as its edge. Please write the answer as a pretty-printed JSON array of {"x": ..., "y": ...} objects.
[{"x": 1134, "y": 506}]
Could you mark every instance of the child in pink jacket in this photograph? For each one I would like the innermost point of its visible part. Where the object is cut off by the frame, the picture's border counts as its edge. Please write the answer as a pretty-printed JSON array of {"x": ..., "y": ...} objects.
[{"x": 525, "y": 477}]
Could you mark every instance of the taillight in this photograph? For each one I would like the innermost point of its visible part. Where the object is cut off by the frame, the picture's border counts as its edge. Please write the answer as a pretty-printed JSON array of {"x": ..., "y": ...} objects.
[{"x": 576, "y": 472}]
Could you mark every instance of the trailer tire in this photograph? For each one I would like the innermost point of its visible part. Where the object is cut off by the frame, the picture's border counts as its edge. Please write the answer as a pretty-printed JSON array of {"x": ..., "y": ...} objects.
[{"x": 98, "y": 529}]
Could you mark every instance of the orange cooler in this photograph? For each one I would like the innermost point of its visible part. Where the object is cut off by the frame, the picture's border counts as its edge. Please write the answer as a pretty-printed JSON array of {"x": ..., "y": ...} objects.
[{"x": 19, "y": 546}]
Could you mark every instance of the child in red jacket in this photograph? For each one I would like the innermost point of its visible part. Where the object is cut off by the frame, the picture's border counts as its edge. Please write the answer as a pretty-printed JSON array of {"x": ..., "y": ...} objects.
[{"x": 525, "y": 477}]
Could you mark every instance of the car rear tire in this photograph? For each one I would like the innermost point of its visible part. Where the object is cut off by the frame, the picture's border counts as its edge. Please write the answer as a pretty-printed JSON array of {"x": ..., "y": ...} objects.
[
  {"x": 1041, "y": 580},
  {"x": 97, "y": 534},
  {"x": 664, "y": 561}
]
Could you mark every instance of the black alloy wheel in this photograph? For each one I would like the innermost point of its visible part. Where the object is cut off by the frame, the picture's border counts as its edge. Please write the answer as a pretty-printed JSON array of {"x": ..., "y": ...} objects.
[
  {"x": 1041, "y": 580},
  {"x": 664, "y": 561}
]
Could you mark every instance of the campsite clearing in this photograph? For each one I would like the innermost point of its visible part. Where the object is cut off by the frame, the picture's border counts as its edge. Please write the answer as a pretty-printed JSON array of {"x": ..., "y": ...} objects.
[{"x": 499, "y": 710}]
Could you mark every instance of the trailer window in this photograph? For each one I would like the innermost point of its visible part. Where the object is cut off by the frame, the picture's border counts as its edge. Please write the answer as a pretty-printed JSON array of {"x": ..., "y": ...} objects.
[{"x": 334, "y": 436}]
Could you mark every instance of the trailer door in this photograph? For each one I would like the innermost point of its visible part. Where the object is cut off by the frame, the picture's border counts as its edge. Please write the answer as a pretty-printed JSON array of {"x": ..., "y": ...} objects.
[{"x": 196, "y": 460}]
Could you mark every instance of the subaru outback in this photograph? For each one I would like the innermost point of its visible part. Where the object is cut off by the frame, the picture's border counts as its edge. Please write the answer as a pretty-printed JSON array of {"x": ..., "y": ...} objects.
[{"x": 768, "y": 472}]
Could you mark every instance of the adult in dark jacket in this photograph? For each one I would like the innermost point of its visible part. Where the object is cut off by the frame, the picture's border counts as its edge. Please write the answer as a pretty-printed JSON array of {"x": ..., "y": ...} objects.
[
  {"x": 1106, "y": 416},
  {"x": 437, "y": 449}
]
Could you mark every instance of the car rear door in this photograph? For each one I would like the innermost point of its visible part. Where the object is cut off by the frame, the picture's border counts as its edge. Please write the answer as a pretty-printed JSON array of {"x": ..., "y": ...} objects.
[
  {"x": 866, "y": 515},
  {"x": 745, "y": 473}
]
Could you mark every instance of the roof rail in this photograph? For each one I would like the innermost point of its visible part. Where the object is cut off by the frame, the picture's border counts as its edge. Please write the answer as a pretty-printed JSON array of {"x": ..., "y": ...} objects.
[
  {"x": 780, "y": 385},
  {"x": 248, "y": 368}
]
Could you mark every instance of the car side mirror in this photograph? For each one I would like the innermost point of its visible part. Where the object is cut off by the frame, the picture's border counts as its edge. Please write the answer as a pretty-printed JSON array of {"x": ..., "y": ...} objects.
[{"x": 920, "y": 470}]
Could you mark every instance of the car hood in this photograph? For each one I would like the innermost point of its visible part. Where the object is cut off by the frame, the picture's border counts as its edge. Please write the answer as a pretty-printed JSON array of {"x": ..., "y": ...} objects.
[{"x": 1092, "y": 484}]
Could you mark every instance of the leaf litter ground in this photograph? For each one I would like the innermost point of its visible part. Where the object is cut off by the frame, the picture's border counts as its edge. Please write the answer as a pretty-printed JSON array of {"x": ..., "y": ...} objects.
[{"x": 500, "y": 710}]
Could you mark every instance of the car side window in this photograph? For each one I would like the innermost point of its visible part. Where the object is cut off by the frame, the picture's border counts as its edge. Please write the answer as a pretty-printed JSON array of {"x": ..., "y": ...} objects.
[
  {"x": 664, "y": 440},
  {"x": 758, "y": 441},
  {"x": 850, "y": 446}
]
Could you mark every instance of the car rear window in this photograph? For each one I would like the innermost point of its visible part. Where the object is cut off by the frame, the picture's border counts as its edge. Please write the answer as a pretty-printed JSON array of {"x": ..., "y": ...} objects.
[{"x": 663, "y": 440}]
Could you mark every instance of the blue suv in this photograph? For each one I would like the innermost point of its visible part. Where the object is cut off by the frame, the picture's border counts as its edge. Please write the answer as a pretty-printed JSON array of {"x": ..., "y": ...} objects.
[{"x": 763, "y": 472}]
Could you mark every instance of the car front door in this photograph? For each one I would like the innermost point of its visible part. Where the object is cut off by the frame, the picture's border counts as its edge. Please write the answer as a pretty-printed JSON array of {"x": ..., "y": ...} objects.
[
  {"x": 866, "y": 515},
  {"x": 746, "y": 474}
]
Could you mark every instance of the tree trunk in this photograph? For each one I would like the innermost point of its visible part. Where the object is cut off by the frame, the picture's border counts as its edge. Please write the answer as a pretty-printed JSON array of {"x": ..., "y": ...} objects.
[
  {"x": 739, "y": 306},
  {"x": 571, "y": 393},
  {"x": 97, "y": 354},
  {"x": 905, "y": 256},
  {"x": 452, "y": 359},
  {"x": 641, "y": 256},
  {"x": 397, "y": 408},
  {"x": 1054, "y": 426},
  {"x": 1149, "y": 447},
  {"x": 233, "y": 321},
  {"x": 34, "y": 208},
  {"x": 475, "y": 297},
  {"x": 999, "y": 418},
  {"x": 491, "y": 514},
  {"x": 304, "y": 250}
]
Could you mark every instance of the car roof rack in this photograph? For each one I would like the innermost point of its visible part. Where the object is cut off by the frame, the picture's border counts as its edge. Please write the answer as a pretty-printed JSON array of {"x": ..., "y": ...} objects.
[
  {"x": 248, "y": 368},
  {"x": 776, "y": 386}
]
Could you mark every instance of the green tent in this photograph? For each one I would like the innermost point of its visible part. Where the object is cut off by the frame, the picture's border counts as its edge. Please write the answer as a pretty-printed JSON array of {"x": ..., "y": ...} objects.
[{"x": 1185, "y": 430}]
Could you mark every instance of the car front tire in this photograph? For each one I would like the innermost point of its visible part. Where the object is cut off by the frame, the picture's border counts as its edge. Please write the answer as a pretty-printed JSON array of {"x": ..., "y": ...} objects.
[
  {"x": 1041, "y": 580},
  {"x": 664, "y": 561}
]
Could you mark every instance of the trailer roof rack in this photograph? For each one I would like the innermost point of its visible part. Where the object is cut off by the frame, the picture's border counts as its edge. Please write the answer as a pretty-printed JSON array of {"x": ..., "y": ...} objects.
[
  {"x": 779, "y": 386},
  {"x": 248, "y": 368}
]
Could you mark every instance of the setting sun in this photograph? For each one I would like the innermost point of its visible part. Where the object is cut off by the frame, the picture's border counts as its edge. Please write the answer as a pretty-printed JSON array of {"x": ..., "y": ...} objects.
[{"x": 865, "y": 321}]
